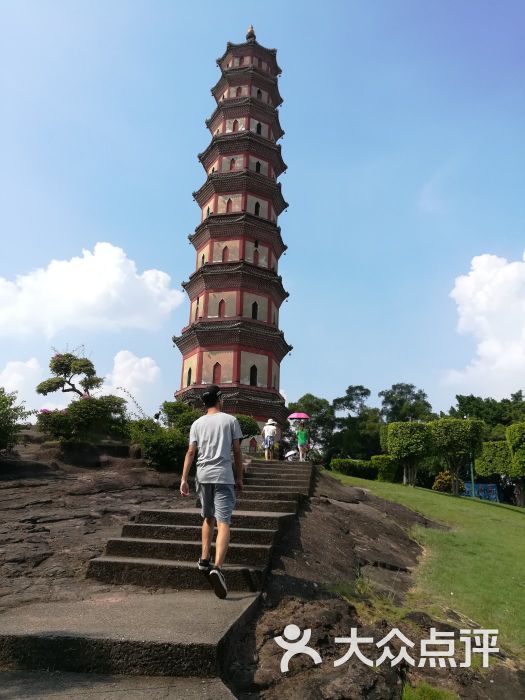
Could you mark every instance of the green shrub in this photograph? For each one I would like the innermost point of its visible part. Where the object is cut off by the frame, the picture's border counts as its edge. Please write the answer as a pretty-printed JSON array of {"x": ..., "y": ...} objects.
[
  {"x": 354, "y": 467},
  {"x": 249, "y": 426},
  {"x": 86, "y": 418},
  {"x": 179, "y": 415},
  {"x": 444, "y": 482},
  {"x": 11, "y": 416},
  {"x": 387, "y": 467},
  {"x": 165, "y": 450},
  {"x": 141, "y": 428}
]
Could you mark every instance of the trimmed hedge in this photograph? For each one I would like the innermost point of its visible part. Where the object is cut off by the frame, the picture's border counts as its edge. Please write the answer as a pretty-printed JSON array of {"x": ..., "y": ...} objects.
[
  {"x": 387, "y": 467},
  {"x": 354, "y": 467},
  {"x": 165, "y": 450}
]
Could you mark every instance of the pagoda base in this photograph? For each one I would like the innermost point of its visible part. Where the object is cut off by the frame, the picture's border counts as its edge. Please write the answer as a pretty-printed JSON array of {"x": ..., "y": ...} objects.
[{"x": 248, "y": 401}]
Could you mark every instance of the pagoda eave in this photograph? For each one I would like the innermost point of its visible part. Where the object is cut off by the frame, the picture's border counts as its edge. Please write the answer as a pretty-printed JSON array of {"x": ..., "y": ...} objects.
[
  {"x": 235, "y": 275},
  {"x": 248, "y": 46},
  {"x": 237, "y": 76},
  {"x": 247, "y": 106},
  {"x": 239, "y": 181},
  {"x": 226, "y": 226},
  {"x": 232, "y": 143},
  {"x": 223, "y": 333}
]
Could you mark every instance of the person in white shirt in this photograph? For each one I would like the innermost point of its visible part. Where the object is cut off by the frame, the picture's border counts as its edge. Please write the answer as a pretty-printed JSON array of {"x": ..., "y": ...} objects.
[{"x": 269, "y": 433}]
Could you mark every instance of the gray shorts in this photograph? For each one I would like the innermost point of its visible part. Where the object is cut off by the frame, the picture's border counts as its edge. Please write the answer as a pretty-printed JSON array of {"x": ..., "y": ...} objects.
[{"x": 217, "y": 500}]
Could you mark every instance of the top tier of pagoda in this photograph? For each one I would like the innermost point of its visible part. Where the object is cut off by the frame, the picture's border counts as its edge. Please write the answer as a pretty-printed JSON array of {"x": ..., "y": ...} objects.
[{"x": 233, "y": 337}]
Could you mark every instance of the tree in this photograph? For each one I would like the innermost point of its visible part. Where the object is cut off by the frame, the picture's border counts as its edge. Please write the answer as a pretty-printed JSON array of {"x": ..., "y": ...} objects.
[
  {"x": 354, "y": 399},
  {"x": 495, "y": 458},
  {"x": 65, "y": 367},
  {"x": 516, "y": 443},
  {"x": 322, "y": 419},
  {"x": 457, "y": 441},
  {"x": 493, "y": 412},
  {"x": 249, "y": 426},
  {"x": 11, "y": 415},
  {"x": 409, "y": 443},
  {"x": 179, "y": 415},
  {"x": 403, "y": 402}
]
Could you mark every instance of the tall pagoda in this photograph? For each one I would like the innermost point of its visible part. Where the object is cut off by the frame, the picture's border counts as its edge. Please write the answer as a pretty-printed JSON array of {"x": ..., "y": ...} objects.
[{"x": 233, "y": 337}]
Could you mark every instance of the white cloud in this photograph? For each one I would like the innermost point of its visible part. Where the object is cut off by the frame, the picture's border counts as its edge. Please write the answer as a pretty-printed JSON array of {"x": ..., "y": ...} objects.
[
  {"x": 491, "y": 306},
  {"x": 100, "y": 290},
  {"x": 140, "y": 376},
  {"x": 20, "y": 376}
]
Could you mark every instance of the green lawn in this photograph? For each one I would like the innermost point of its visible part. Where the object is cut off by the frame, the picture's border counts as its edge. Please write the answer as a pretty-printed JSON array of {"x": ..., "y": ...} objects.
[{"x": 477, "y": 568}]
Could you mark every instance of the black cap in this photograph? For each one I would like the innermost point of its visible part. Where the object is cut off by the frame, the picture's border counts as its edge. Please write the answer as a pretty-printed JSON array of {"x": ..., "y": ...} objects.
[{"x": 211, "y": 395}]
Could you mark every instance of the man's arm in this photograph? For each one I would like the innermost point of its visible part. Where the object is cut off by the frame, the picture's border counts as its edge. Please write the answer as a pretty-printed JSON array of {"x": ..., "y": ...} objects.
[
  {"x": 188, "y": 461},
  {"x": 237, "y": 456}
]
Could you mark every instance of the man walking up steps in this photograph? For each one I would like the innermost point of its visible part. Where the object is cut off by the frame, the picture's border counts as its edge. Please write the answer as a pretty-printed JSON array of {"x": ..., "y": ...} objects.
[{"x": 213, "y": 436}]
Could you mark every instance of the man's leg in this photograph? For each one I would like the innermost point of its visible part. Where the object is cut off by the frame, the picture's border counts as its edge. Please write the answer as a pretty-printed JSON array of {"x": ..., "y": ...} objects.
[
  {"x": 222, "y": 542},
  {"x": 208, "y": 526}
]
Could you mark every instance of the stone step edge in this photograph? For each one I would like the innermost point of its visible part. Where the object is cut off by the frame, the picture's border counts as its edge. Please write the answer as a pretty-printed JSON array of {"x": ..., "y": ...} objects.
[
  {"x": 172, "y": 563},
  {"x": 198, "y": 528},
  {"x": 196, "y": 545}
]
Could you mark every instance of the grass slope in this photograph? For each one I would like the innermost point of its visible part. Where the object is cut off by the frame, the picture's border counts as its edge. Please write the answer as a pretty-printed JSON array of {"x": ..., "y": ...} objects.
[{"x": 477, "y": 568}]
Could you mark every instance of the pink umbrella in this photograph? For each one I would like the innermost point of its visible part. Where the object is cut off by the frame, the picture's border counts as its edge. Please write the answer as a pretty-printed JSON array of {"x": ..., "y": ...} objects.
[{"x": 299, "y": 416}]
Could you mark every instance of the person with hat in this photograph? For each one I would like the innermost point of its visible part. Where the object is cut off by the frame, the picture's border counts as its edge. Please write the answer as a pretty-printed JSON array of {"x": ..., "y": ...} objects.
[
  {"x": 269, "y": 433},
  {"x": 212, "y": 438}
]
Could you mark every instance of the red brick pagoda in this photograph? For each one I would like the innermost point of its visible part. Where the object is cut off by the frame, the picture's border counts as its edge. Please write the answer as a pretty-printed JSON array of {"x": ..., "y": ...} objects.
[{"x": 233, "y": 337}]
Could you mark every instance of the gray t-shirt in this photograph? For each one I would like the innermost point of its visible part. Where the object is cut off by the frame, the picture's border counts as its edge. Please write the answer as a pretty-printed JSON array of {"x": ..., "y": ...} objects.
[{"x": 213, "y": 435}]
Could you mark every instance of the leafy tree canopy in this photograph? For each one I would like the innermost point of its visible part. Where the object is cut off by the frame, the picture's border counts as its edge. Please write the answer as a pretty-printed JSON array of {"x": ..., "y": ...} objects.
[
  {"x": 67, "y": 367},
  {"x": 322, "y": 418},
  {"x": 404, "y": 402},
  {"x": 11, "y": 416},
  {"x": 490, "y": 410},
  {"x": 494, "y": 458}
]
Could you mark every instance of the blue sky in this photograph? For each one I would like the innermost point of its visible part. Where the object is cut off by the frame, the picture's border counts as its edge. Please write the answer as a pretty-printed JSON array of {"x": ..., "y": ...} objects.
[{"x": 405, "y": 144}]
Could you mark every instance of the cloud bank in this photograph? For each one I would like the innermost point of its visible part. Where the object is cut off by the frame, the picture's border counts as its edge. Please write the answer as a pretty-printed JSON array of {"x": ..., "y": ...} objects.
[
  {"x": 100, "y": 290},
  {"x": 490, "y": 302}
]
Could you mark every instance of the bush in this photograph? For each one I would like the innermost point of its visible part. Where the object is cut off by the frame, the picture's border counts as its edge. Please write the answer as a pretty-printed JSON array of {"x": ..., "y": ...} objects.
[
  {"x": 10, "y": 417},
  {"x": 165, "y": 450},
  {"x": 387, "y": 467},
  {"x": 444, "y": 482},
  {"x": 86, "y": 418},
  {"x": 142, "y": 428},
  {"x": 249, "y": 426},
  {"x": 179, "y": 415},
  {"x": 354, "y": 467}
]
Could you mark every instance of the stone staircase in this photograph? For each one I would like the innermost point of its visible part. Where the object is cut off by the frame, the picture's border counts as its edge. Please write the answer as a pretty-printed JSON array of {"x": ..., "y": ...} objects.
[
  {"x": 161, "y": 547},
  {"x": 184, "y": 632}
]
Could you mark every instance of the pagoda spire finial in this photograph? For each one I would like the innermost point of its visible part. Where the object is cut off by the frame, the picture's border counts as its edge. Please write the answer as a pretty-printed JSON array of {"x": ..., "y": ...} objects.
[{"x": 250, "y": 34}]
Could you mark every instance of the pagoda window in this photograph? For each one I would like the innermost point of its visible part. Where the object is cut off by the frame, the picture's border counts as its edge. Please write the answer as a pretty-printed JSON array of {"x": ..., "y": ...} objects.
[
  {"x": 188, "y": 377},
  {"x": 197, "y": 309},
  {"x": 238, "y": 92},
  {"x": 258, "y": 167},
  {"x": 256, "y": 244},
  {"x": 229, "y": 205},
  {"x": 222, "y": 308},
  {"x": 241, "y": 60},
  {"x": 208, "y": 212},
  {"x": 213, "y": 170},
  {"x": 253, "y": 375},
  {"x": 232, "y": 164},
  {"x": 225, "y": 252},
  {"x": 257, "y": 209},
  {"x": 256, "y": 257},
  {"x": 258, "y": 128},
  {"x": 259, "y": 94},
  {"x": 203, "y": 259},
  {"x": 235, "y": 125},
  {"x": 217, "y": 373},
  {"x": 255, "y": 310}
]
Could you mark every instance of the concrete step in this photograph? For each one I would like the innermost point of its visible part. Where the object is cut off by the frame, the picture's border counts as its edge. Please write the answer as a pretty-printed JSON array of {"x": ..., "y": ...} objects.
[
  {"x": 192, "y": 516},
  {"x": 259, "y": 473},
  {"x": 154, "y": 573},
  {"x": 275, "y": 489},
  {"x": 279, "y": 462},
  {"x": 167, "y": 634},
  {"x": 261, "y": 481},
  {"x": 278, "y": 506},
  {"x": 263, "y": 495},
  {"x": 279, "y": 470},
  {"x": 56, "y": 685},
  {"x": 180, "y": 550},
  {"x": 192, "y": 533}
]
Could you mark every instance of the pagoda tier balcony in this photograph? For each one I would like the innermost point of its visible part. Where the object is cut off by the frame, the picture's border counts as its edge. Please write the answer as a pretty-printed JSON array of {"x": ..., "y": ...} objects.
[
  {"x": 238, "y": 107},
  {"x": 228, "y": 226},
  {"x": 234, "y": 182},
  {"x": 251, "y": 48},
  {"x": 240, "y": 398},
  {"x": 236, "y": 275},
  {"x": 243, "y": 142},
  {"x": 235, "y": 77},
  {"x": 227, "y": 332}
]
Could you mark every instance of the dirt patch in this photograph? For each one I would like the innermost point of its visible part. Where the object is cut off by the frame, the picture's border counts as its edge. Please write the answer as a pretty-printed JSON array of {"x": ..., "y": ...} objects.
[{"x": 345, "y": 535}]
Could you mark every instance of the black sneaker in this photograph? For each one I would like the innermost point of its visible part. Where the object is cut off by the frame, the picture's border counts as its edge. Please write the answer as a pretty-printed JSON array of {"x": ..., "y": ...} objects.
[
  {"x": 217, "y": 582},
  {"x": 204, "y": 565}
]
